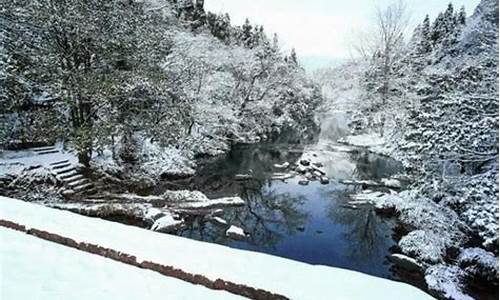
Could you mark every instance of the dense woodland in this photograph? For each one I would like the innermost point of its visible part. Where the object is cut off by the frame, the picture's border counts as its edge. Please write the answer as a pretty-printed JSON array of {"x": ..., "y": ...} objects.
[{"x": 113, "y": 75}]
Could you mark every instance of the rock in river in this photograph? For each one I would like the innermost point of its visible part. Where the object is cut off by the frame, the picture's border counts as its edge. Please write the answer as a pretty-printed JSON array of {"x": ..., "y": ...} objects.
[
  {"x": 236, "y": 233},
  {"x": 405, "y": 262},
  {"x": 305, "y": 162},
  {"x": 282, "y": 166}
]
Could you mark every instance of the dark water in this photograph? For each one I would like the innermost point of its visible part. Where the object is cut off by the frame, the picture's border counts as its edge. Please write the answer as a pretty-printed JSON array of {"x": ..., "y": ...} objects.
[{"x": 309, "y": 223}]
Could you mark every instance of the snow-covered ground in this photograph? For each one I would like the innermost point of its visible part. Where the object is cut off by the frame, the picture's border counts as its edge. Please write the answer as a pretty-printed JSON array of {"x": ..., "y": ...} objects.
[
  {"x": 371, "y": 141},
  {"x": 277, "y": 275},
  {"x": 32, "y": 268},
  {"x": 15, "y": 162}
]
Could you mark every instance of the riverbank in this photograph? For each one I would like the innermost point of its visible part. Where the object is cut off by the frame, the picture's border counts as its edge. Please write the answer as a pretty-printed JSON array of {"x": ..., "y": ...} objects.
[{"x": 433, "y": 239}]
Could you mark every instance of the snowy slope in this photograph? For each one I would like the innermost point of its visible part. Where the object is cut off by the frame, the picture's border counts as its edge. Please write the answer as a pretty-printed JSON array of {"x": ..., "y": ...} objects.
[
  {"x": 277, "y": 275},
  {"x": 32, "y": 268}
]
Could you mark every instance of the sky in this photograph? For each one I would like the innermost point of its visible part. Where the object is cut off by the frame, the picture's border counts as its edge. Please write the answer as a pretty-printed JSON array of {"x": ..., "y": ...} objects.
[{"x": 322, "y": 30}]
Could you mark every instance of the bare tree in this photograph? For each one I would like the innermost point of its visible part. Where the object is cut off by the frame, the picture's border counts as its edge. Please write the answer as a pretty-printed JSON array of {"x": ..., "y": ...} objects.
[{"x": 383, "y": 46}]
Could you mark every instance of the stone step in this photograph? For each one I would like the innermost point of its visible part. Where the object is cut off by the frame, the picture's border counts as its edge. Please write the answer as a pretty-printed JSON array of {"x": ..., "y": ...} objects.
[
  {"x": 42, "y": 149},
  {"x": 68, "y": 193},
  {"x": 48, "y": 152},
  {"x": 61, "y": 166},
  {"x": 72, "y": 178},
  {"x": 91, "y": 191},
  {"x": 59, "y": 162},
  {"x": 65, "y": 170},
  {"x": 79, "y": 182},
  {"x": 70, "y": 174},
  {"x": 82, "y": 188}
]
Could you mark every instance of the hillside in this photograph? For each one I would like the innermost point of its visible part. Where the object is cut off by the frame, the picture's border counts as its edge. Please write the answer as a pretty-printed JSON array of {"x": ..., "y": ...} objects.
[{"x": 439, "y": 115}]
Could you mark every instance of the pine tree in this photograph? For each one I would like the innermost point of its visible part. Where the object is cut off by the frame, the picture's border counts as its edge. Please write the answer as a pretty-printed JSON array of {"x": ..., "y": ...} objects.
[
  {"x": 247, "y": 33},
  {"x": 438, "y": 29},
  {"x": 462, "y": 16},
  {"x": 293, "y": 57},
  {"x": 425, "y": 36}
]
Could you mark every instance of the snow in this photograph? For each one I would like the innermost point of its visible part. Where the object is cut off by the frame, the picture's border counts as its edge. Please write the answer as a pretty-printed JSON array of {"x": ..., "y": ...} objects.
[
  {"x": 446, "y": 281},
  {"x": 33, "y": 268},
  {"x": 14, "y": 163},
  {"x": 425, "y": 245},
  {"x": 293, "y": 279},
  {"x": 167, "y": 224},
  {"x": 235, "y": 232},
  {"x": 207, "y": 204},
  {"x": 219, "y": 220},
  {"x": 479, "y": 263},
  {"x": 363, "y": 140}
]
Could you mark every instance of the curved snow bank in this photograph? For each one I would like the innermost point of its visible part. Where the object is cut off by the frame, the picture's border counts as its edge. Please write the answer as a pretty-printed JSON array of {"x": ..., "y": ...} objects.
[
  {"x": 289, "y": 278},
  {"x": 36, "y": 269}
]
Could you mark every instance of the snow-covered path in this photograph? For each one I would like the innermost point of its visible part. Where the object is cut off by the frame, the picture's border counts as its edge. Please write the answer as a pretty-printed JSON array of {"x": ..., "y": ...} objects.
[
  {"x": 292, "y": 279},
  {"x": 32, "y": 268}
]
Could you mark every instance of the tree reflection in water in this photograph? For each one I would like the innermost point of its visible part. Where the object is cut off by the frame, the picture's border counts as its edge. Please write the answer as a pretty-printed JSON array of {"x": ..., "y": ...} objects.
[
  {"x": 364, "y": 230},
  {"x": 307, "y": 223},
  {"x": 267, "y": 217}
]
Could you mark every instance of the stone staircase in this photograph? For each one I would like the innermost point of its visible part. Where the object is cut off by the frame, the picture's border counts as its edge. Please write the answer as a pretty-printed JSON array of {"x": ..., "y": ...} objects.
[
  {"x": 45, "y": 150},
  {"x": 74, "y": 182}
]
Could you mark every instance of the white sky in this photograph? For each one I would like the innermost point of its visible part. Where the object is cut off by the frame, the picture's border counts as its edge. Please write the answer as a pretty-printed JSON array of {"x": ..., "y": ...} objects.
[{"x": 321, "y": 28}]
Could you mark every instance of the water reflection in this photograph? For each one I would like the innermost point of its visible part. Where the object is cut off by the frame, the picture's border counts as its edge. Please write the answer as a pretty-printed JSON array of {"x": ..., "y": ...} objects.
[
  {"x": 367, "y": 233},
  {"x": 306, "y": 223}
]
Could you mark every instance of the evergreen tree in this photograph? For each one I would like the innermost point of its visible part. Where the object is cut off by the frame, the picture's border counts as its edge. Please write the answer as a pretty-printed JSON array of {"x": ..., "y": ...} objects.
[
  {"x": 438, "y": 29},
  {"x": 293, "y": 57},
  {"x": 462, "y": 16},
  {"x": 247, "y": 35},
  {"x": 425, "y": 45}
]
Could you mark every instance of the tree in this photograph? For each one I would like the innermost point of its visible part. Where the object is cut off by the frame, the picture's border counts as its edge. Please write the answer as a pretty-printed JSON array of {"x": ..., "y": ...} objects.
[
  {"x": 247, "y": 35},
  {"x": 425, "y": 36},
  {"x": 293, "y": 57},
  {"x": 462, "y": 16},
  {"x": 383, "y": 48},
  {"x": 87, "y": 55}
]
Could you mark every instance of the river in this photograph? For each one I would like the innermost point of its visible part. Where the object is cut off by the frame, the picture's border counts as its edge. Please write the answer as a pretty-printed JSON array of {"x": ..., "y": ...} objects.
[{"x": 311, "y": 223}]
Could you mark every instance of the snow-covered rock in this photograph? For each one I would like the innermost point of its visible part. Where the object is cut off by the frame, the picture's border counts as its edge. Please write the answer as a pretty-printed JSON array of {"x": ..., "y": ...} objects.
[
  {"x": 405, "y": 262},
  {"x": 235, "y": 233},
  {"x": 219, "y": 221},
  {"x": 282, "y": 166},
  {"x": 167, "y": 224},
  {"x": 210, "y": 203},
  {"x": 324, "y": 180},
  {"x": 391, "y": 183},
  {"x": 301, "y": 169}
]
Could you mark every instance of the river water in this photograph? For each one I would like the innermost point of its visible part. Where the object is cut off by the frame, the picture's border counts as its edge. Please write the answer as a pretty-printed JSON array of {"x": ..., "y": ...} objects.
[{"x": 310, "y": 223}]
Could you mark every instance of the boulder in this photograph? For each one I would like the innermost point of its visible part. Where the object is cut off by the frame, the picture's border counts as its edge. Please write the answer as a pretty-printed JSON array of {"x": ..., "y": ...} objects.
[
  {"x": 242, "y": 177},
  {"x": 301, "y": 169},
  {"x": 235, "y": 233},
  {"x": 405, "y": 262},
  {"x": 305, "y": 162},
  {"x": 304, "y": 182},
  {"x": 324, "y": 180},
  {"x": 282, "y": 166},
  {"x": 167, "y": 224}
]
